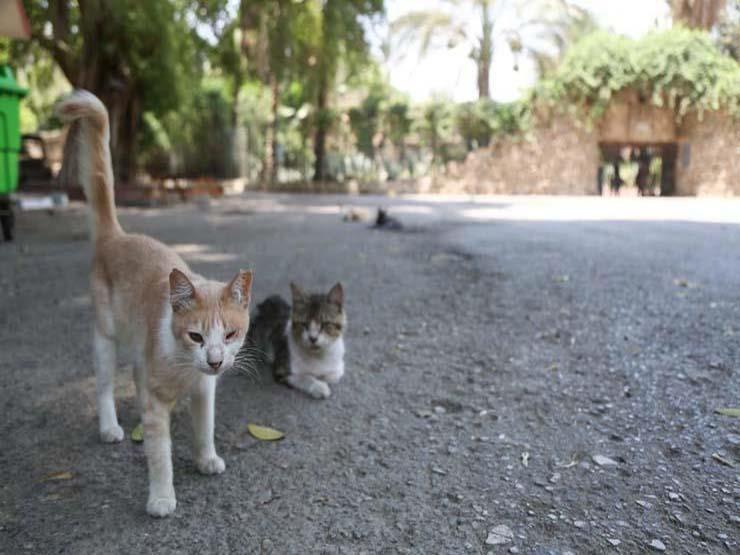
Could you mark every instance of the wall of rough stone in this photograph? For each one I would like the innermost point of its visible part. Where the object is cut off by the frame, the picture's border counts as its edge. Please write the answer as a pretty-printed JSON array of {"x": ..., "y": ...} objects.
[
  {"x": 558, "y": 157},
  {"x": 709, "y": 156}
]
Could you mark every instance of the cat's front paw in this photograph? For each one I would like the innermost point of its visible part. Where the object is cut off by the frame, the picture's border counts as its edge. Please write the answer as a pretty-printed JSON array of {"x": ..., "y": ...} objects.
[
  {"x": 114, "y": 434},
  {"x": 319, "y": 390},
  {"x": 211, "y": 465},
  {"x": 161, "y": 506}
]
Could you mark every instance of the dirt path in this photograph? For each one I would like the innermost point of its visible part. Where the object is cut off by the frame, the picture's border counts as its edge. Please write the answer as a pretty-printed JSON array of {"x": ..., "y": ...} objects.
[{"x": 490, "y": 361}]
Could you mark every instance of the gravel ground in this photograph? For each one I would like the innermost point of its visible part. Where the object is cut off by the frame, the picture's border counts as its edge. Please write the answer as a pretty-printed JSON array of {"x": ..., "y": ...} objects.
[{"x": 524, "y": 376}]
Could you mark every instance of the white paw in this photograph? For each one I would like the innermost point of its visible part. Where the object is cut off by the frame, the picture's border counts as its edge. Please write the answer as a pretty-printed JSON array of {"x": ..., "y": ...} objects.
[
  {"x": 333, "y": 378},
  {"x": 211, "y": 465},
  {"x": 319, "y": 390},
  {"x": 114, "y": 434},
  {"x": 161, "y": 506}
]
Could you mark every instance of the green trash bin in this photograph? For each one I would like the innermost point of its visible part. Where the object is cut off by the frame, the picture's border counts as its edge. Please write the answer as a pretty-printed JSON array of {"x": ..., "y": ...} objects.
[{"x": 10, "y": 145}]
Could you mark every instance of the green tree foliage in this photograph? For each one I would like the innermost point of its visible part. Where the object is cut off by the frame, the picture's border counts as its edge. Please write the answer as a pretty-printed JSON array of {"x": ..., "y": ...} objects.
[
  {"x": 279, "y": 37},
  {"x": 479, "y": 122},
  {"x": 194, "y": 140},
  {"x": 679, "y": 68},
  {"x": 342, "y": 40},
  {"x": 435, "y": 124},
  {"x": 399, "y": 122},
  {"x": 136, "y": 56}
]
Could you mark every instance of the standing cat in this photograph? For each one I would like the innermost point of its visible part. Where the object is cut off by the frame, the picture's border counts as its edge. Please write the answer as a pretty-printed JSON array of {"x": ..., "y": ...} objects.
[
  {"x": 182, "y": 329},
  {"x": 304, "y": 344}
]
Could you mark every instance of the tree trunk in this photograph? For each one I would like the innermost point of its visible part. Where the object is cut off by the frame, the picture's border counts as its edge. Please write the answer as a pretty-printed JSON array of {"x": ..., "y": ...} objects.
[
  {"x": 484, "y": 90},
  {"x": 485, "y": 53},
  {"x": 697, "y": 14},
  {"x": 274, "y": 127},
  {"x": 270, "y": 155},
  {"x": 322, "y": 124}
]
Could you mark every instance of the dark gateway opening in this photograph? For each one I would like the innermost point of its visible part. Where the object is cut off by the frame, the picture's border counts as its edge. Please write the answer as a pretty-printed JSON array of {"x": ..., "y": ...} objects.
[{"x": 649, "y": 169}]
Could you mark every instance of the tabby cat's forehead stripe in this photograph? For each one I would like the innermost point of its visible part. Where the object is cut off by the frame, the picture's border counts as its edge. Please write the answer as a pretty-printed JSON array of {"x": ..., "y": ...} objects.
[{"x": 316, "y": 307}]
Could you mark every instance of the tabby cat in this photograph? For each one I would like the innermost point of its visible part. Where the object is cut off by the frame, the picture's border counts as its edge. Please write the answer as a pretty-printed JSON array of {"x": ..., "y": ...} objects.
[{"x": 303, "y": 343}]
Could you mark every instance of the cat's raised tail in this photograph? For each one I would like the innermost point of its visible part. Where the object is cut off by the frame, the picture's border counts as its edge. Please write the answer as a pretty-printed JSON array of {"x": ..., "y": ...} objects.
[{"x": 87, "y": 159}]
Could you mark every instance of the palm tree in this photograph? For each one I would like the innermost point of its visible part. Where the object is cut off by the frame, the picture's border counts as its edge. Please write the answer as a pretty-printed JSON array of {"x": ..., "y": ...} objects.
[{"x": 544, "y": 32}]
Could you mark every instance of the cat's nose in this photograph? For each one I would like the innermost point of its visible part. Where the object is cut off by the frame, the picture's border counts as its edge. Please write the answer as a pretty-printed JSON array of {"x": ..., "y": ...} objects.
[
  {"x": 215, "y": 364},
  {"x": 313, "y": 339}
]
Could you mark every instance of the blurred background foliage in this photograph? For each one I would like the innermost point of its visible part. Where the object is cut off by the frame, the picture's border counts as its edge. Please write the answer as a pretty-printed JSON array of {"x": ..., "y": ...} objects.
[{"x": 287, "y": 90}]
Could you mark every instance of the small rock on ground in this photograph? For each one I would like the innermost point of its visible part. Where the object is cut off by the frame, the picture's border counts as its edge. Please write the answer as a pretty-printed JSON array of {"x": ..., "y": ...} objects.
[
  {"x": 499, "y": 535},
  {"x": 601, "y": 460}
]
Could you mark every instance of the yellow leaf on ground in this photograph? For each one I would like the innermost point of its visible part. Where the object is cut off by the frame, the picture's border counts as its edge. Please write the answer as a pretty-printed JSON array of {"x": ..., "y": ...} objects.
[
  {"x": 729, "y": 412},
  {"x": 264, "y": 433},
  {"x": 54, "y": 476},
  {"x": 137, "y": 434}
]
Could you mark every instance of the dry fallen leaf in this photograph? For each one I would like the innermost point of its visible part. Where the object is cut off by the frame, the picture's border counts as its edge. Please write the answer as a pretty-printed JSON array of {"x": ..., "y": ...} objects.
[
  {"x": 264, "y": 433},
  {"x": 137, "y": 434},
  {"x": 56, "y": 476},
  {"x": 728, "y": 412}
]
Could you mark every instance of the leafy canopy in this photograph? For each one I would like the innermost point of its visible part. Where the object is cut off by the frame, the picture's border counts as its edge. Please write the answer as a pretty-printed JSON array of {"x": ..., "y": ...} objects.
[{"x": 678, "y": 68}]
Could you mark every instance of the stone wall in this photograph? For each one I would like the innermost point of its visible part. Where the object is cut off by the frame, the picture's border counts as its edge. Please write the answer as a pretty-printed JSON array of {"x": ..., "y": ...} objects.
[
  {"x": 631, "y": 120},
  {"x": 709, "y": 156},
  {"x": 557, "y": 157}
]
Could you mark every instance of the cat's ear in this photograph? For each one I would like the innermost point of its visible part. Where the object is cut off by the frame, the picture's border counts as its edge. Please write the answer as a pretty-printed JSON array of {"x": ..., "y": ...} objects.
[
  {"x": 182, "y": 291},
  {"x": 336, "y": 295},
  {"x": 240, "y": 288},
  {"x": 297, "y": 292}
]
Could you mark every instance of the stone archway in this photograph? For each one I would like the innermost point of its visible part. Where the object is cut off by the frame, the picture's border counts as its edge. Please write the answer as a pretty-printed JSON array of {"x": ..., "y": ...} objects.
[{"x": 632, "y": 122}]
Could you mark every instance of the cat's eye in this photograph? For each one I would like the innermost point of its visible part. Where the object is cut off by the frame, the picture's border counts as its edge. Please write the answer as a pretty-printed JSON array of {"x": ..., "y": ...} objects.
[
  {"x": 196, "y": 337},
  {"x": 230, "y": 335}
]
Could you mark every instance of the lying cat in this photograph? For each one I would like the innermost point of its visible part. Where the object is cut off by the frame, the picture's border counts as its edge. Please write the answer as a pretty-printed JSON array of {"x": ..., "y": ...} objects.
[
  {"x": 182, "y": 329},
  {"x": 303, "y": 344}
]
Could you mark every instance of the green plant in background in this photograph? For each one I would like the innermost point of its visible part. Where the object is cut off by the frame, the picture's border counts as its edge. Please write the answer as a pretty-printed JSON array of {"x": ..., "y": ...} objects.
[
  {"x": 435, "y": 125},
  {"x": 480, "y": 122},
  {"x": 195, "y": 140},
  {"x": 342, "y": 42},
  {"x": 679, "y": 68},
  {"x": 473, "y": 123},
  {"x": 280, "y": 85},
  {"x": 595, "y": 69},
  {"x": 137, "y": 56},
  {"x": 685, "y": 70}
]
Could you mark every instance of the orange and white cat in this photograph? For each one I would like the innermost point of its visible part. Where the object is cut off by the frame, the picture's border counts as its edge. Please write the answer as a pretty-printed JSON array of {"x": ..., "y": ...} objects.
[{"x": 181, "y": 329}]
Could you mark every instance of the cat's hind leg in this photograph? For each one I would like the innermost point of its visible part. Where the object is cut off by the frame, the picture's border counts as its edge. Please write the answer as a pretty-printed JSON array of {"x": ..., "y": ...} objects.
[
  {"x": 104, "y": 360},
  {"x": 104, "y": 355},
  {"x": 308, "y": 384}
]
